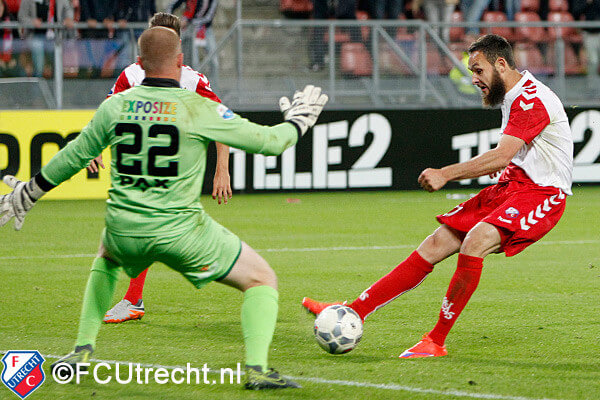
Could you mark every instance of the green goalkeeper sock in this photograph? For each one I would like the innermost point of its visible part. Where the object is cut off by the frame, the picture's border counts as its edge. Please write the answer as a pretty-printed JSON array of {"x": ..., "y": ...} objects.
[
  {"x": 96, "y": 300},
  {"x": 259, "y": 315}
]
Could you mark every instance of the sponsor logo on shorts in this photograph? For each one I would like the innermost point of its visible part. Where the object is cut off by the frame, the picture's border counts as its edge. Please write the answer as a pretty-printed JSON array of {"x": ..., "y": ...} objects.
[
  {"x": 512, "y": 212},
  {"x": 540, "y": 212},
  {"x": 23, "y": 372},
  {"x": 506, "y": 221}
]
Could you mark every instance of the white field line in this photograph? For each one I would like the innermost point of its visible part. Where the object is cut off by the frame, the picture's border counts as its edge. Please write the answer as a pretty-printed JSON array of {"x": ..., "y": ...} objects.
[
  {"x": 336, "y": 382},
  {"x": 47, "y": 256},
  {"x": 302, "y": 249}
]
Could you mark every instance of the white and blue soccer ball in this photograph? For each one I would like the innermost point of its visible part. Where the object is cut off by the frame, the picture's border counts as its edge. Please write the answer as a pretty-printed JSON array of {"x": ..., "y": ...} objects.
[{"x": 338, "y": 329}]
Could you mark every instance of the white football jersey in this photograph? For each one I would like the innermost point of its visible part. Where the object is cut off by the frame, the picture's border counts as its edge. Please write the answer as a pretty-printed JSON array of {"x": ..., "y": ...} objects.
[
  {"x": 532, "y": 112},
  {"x": 190, "y": 80}
]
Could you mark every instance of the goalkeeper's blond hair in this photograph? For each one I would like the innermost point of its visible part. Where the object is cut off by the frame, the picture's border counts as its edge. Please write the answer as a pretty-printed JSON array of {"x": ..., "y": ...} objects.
[{"x": 159, "y": 50}]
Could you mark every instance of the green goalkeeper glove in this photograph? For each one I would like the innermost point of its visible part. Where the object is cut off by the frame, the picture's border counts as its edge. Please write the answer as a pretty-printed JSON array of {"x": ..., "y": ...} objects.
[
  {"x": 20, "y": 201},
  {"x": 305, "y": 107}
]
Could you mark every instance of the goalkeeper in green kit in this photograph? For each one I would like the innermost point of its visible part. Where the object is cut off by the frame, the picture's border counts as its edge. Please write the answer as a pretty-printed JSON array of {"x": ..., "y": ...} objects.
[{"x": 159, "y": 135}]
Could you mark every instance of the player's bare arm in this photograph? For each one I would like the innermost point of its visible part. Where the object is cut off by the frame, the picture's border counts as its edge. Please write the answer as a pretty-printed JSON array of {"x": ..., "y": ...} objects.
[
  {"x": 490, "y": 162},
  {"x": 221, "y": 182},
  {"x": 96, "y": 162}
]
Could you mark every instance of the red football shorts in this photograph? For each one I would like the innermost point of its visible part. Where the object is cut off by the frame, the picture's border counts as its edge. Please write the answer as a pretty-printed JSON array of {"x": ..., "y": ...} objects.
[{"x": 523, "y": 213}]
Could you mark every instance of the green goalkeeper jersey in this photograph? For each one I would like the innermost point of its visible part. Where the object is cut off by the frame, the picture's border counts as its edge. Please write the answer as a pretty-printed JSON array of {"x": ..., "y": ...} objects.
[{"x": 159, "y": 136}]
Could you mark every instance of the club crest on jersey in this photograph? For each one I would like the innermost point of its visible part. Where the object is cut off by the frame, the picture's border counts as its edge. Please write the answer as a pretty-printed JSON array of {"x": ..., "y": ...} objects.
[
  {"x": 512, "y": 212},
  {"x": 23, "y": 372},
  {"x": 224, "y": 112}
]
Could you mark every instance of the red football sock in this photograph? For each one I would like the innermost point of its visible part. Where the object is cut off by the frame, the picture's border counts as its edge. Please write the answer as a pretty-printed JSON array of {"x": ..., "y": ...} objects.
[
  {"x": 406, "y": 276},
  {"x": 463, "y": 284},
  {"x": 136, "y": 287}
]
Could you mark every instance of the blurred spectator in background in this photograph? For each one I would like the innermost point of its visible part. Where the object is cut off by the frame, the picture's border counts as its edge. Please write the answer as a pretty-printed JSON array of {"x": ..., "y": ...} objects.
[
  {"x": 511, "y": 7},
  {"x": 590, "y": 9},
  {"x": 473, "y": 11},
  {"x": 130, "y": 11},
  {"x": 96, "y": 48},
  {"x": 8, "y": 59},
  {"x": 544, "y": 9},
  {"x": 94, "y": 11},
  {"x": 463, "y": 82},
  {"x": 76, "y": 10},
  {"x": 134, "y": 11},
  {"x": 438, "y": 11},
  {"x": 12, "y": 8},
  {"x": 71, "y": 45},
  {"x": 196, "y": 31},
  {"x": 40, "y": 40},
  {"x": 325, "y": 9},
  {"x": 385, "y": 9}
]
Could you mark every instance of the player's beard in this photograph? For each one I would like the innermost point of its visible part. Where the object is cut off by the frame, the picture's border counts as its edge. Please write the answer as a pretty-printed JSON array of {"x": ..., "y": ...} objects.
[{"x": 496, "y": 91}]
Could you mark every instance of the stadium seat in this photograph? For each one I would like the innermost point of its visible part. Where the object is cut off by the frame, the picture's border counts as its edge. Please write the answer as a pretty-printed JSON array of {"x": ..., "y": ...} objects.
[
  {"x": 355, "y": 60},
  {"x": 436, "y": 62},
  {"x": 558, "y": 5},
  {"x": 340, "y": 36},
  {"x": 527, "y": 33},
  {"x": 530, "y": 5},
  {"x": 528, "y": 56},
  {"x": 296, "y": 8},
  {"x": 498, "y": 16},
  {"x": 457, "y": 34},
  {"x": 390, "y": 63},
  {"x": 573, "y": 65},
  {"x": 568, "y": 33}
]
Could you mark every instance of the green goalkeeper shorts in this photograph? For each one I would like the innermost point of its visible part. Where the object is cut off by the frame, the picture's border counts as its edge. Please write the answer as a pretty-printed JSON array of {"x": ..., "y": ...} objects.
[{"x": 203, "y": 254}]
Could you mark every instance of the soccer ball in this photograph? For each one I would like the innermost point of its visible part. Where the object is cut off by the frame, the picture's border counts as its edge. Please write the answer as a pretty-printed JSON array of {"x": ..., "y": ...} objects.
[{"x": 338, "y": 329}]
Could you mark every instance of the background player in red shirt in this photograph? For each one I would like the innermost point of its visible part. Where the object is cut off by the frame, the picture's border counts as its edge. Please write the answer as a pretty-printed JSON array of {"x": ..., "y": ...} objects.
[
  {"x": 132, "y": 305},
  {"x": 536, "y": 154}
]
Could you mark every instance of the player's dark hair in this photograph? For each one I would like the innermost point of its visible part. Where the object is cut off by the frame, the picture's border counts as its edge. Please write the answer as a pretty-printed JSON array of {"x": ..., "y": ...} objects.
[
  {"x": 167, "y": 20},
  {"x": 494, "y": 47}
]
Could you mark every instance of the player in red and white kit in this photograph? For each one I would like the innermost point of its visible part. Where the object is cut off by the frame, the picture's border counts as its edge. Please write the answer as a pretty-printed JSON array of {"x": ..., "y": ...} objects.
[
  {"x": 536, "y": 154},
  {"x": 132, "y": 305}
]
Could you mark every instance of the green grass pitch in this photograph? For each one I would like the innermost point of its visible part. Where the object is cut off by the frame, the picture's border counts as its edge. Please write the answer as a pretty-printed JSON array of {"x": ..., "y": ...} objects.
[{"x": 531, "y": 330}]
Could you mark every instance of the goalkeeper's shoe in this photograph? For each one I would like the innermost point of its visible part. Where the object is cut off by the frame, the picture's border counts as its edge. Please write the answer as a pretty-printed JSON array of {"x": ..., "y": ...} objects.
[
  {"x": 256, "y": 379},
  {"x": 81, "y": 354},
  {"x": 125, "y": 311},
  {"x": 425, "y": 348},
  {"x": 315, "y": 307}
]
